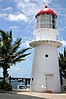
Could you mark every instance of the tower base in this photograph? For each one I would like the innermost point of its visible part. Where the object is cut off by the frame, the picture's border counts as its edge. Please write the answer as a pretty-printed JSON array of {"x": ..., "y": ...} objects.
[{"x": 45, "y": 71}]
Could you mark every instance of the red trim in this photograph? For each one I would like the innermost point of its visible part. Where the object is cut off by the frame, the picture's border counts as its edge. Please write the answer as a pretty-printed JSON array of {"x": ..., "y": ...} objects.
[{"x": 46, "y": 10}]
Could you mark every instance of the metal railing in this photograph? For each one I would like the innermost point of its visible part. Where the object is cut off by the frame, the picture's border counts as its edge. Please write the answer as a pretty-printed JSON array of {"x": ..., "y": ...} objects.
[{"x": 58, "y": 38}]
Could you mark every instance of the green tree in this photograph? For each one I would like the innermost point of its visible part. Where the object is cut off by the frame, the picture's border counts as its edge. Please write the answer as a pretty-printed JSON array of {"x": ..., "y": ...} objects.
[
  {"x": 62, "y": 64},
  {"x": 9, "y": 51}
]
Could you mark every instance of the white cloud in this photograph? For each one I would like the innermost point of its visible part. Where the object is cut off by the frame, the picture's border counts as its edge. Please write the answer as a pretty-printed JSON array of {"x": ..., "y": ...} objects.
[
  {"x": 30, "y": 7},
  {"x": 3, "y": 15},
  {"x": 8, "y": 8},
  {"x": 26, "y": 0},
  {"x": 13, "y": 71},
  {"x": 19, "y": 71},
  {"x": 26, "y": 44},
  {"x": 63, "y": 42},
  {"x": 14, "y": 27},
  {"x": 14, "y": 17},
  {"x": 47, "y": 1},
  {"x": 17, "y": 17}
]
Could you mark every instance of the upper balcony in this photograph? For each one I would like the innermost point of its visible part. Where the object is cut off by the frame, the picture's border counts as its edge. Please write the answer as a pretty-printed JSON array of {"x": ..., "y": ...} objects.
[
  {"x": 33, "y": 41},
  {"x": 59, "y": 38}
]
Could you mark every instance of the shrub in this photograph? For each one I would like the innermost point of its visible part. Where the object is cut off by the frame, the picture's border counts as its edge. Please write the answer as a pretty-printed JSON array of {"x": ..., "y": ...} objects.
[
  {"x": 2, "y": 85},
  {"x": 5, "y": 86}
]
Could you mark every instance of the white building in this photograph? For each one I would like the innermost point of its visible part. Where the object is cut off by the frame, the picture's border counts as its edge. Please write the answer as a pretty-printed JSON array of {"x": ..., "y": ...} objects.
[{"x": 45, "y": 69}]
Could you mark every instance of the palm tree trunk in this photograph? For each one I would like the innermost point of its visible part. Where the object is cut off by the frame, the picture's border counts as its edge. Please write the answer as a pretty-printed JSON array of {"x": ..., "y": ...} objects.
[{"x": 4, "y": 74}]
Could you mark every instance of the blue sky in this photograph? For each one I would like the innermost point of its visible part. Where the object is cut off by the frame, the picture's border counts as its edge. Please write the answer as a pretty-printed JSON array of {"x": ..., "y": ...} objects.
[{"x": 19, "y": 16}]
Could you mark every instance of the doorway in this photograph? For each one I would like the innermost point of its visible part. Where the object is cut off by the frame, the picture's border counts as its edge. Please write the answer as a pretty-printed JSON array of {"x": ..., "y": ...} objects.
[{"x": 49, "y": 81}]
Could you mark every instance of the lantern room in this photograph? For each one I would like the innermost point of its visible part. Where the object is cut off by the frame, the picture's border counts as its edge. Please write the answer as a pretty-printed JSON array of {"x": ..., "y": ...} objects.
[{"x": 46, "y": 18}]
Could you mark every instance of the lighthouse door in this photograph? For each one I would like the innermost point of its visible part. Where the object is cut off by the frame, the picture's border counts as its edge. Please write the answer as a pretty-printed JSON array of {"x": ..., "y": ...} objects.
[{"x": 49, "y": 82}]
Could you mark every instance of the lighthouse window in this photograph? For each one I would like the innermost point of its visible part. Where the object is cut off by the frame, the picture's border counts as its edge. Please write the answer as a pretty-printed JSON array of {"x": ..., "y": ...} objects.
[
  {"x": 46, "y": 21},
  {"x": 53, "y": 21},
  {"x": 46, "y": 55}
]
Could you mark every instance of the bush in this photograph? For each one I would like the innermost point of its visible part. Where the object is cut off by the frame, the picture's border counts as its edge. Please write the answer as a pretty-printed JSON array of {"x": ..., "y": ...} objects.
[
  {"x": 5, "y": 86},
  {"x": 2, "y": 85}
]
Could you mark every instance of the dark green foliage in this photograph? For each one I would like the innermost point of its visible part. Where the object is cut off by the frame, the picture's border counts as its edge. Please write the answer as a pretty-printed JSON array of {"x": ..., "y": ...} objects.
[
  {"x": 9, "y": 51},
  {"x": 62, "y": 63},
  {"x": 5, "y": 86}
]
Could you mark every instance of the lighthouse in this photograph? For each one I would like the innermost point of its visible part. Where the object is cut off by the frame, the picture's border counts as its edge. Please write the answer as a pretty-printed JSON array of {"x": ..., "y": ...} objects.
[{"x": 45, "y": 68}]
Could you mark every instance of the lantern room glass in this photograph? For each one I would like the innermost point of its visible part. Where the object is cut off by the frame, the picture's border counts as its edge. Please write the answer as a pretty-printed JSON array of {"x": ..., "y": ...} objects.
[{"x": 46, "y": 21}]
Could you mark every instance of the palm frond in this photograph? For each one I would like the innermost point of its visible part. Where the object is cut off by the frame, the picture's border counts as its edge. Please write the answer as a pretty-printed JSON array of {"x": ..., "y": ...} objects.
[
  {"x": 4, "y": 35},
  {"x": 16, "y": 45},
  {"x": 23, "y": 50},
  {"x": 9, "y": 51}
]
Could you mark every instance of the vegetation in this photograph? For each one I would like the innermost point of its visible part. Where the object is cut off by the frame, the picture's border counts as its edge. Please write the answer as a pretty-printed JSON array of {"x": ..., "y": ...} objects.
[
  {"x": 62, "y": 64},
  {"x": 9, "y": 51},
  {"x": 5, "y": 86}
]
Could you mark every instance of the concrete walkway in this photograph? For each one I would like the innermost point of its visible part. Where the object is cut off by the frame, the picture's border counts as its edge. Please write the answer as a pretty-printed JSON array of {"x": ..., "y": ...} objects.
[
  {"x": 17, "y": 96},
  {"x": 45, "y": 95}
]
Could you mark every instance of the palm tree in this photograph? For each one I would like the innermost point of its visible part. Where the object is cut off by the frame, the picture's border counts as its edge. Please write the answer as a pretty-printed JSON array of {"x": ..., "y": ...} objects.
[
  {"x": 62, "y": 64},
  {"x": 9, "y": 51}
]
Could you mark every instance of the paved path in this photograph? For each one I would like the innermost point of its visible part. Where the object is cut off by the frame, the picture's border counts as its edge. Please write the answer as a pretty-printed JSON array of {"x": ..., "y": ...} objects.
[
  {"x": 33, "y": 95},
  {"x": 16, "y": 96},
  {"x": 44, "y": 95}
]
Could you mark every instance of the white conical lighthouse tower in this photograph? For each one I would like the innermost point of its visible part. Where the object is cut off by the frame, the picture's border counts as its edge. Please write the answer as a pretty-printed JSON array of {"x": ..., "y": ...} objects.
[{"x": 45, "y": 69}]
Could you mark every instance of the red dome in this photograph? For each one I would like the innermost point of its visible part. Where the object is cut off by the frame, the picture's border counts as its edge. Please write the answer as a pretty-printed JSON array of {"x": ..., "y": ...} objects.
[{"x": 46, "y": 10}]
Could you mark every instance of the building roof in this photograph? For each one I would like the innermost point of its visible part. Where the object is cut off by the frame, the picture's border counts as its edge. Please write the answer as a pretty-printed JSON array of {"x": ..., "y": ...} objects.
[{"x": 46, "y": 10}]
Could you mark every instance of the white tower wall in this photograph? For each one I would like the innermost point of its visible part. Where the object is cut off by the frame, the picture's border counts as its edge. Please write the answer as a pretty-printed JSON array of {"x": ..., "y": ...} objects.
[
  {"x": 46, "y": 34},
  {"x": 45, "y": 68}
]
